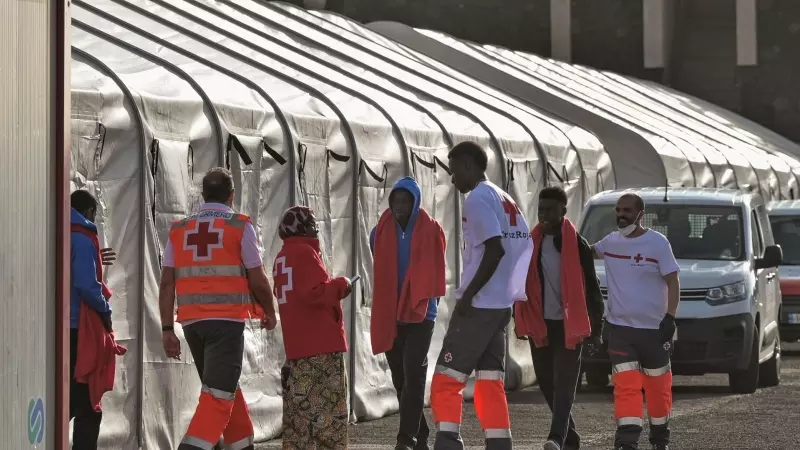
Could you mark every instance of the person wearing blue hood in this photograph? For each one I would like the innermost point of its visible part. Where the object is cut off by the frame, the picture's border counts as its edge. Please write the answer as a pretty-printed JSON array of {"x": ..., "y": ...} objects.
[
  {"x": 86, "y": 285},
  {"x": 408, "y": 248}
]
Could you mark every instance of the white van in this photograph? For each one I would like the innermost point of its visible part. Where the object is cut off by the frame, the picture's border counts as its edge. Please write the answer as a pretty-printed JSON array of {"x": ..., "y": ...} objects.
[
  {"x": 730, "y": 296},
  {"x": 784, "y": 216}
]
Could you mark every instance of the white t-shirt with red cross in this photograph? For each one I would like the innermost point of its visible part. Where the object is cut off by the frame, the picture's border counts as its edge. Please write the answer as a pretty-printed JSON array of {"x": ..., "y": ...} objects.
[
  {"x": 635, "y": 270},
  {"x": 489, "y": 212}
]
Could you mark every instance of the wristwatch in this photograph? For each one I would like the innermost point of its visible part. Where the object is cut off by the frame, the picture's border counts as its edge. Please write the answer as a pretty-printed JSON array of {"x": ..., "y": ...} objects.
[{"x": 167, "y": 328}]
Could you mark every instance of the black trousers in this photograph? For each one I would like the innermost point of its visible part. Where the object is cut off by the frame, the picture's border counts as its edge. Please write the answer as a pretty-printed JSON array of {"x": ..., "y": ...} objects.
[
  {"x": 86, "y": 428},
  {"x": 558, "y": 371},
  {"x": 408, "y": 362}
]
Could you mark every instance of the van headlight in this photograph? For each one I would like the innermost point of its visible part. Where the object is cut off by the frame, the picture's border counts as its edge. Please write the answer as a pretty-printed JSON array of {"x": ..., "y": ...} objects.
[{"x": 730, "y": 293}]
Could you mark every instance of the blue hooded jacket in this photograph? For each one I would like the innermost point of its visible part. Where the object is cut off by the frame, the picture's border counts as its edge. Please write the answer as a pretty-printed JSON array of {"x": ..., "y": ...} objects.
[
  {"x": 404, "y": 240},
  {"x": 83, "y": 272}
]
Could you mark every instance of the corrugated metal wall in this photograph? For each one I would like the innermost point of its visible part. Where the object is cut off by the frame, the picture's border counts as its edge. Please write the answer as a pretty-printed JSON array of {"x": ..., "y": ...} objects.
[{"x": 27, "y": 225}]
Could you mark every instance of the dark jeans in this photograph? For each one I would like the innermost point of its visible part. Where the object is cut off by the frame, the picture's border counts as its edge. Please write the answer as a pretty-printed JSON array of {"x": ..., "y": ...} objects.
[
  {"x": 86, "y": 428},
  {"x": 408, "y": 362},
  {"x": 558, "y": 370}
]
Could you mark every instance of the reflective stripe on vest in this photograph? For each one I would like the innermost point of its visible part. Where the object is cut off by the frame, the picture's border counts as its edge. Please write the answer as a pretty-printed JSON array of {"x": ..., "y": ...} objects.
[
  {"x": 209, "y": 271},
  {"x": 214, "y": 299},
  {"x": 210, "y": 279}
]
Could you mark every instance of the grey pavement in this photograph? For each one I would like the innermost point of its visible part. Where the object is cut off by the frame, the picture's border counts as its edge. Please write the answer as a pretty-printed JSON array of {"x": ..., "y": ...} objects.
[{"x": 705, "y": 416}]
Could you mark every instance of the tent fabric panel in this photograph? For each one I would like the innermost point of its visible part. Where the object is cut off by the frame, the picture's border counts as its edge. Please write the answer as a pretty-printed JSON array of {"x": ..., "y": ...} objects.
[
  {"x": 551, "y": 122},
  {"x": 106, "y": 161},
  {"x": 183, "y": 146}
]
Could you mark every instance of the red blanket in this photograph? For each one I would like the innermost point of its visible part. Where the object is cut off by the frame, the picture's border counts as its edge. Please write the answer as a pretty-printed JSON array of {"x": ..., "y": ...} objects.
[
  {"x": 425, "y": 277},
  {"x": 529, "y": 316},
  {"x": 97, "y": 352},
  {"x": 97, "y": 348}
]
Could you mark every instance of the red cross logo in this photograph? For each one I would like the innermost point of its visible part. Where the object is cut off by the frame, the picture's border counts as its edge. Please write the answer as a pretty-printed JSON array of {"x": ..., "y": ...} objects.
[
  {"x": 512, "y": 210},
  {"x": 638, "y": 258},
  {"x": 282, "y": 279},
  {"x": 203, "y": 239}
]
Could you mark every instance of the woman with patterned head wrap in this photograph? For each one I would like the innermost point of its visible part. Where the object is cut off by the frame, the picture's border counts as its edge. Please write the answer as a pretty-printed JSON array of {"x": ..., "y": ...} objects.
[{"x": 309, "y": 301}]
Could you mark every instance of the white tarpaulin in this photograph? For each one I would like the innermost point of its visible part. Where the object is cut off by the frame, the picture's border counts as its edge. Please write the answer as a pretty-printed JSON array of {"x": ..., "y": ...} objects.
[{"x": 312, "y": 108}]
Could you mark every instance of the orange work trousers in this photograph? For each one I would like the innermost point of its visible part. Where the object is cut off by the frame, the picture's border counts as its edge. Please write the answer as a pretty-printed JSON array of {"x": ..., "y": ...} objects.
[
  {"x": 217, "y": 347},
  {"x": 475, "y": 341},
  {"x": 640, "y": 359}
]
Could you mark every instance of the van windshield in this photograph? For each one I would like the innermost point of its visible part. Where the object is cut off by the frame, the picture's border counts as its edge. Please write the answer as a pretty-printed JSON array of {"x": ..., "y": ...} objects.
[
  {"x": 786, "y": 230},
  {"x": 694, "y": 231}
]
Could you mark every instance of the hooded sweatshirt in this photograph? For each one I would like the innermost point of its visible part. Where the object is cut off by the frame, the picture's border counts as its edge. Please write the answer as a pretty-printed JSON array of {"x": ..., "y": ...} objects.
[
  {"x": 84, "y": 284},
  {"x": 404, "y": 241}
]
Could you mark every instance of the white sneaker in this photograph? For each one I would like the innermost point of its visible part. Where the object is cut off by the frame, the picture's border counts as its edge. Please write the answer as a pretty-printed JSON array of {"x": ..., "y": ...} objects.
[{"x": 550, "y": 445}]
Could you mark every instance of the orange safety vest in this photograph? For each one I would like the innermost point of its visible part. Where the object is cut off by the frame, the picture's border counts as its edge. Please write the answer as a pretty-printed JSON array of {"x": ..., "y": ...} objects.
[{"x": 211, "y": 281}]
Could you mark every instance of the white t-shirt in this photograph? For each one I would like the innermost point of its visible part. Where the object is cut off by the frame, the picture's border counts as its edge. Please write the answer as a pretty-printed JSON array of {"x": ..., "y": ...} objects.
[
  {"x": 635, "y": 270},
  {"x": 490, "y": 212}
]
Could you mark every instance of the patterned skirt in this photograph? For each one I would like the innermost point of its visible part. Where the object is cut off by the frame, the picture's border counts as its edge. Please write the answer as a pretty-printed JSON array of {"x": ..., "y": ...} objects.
[{"x": 315, "y": 403}]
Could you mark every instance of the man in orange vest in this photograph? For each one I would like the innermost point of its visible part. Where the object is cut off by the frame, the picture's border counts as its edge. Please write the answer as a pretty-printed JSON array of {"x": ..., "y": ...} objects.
[{"x": 212, "y": 263}]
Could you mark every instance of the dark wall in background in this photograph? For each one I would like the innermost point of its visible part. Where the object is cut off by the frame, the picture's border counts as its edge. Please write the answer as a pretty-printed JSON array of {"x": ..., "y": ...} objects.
[
  {"x": 522, "y": 24},
  {"x": 770, "y": 92},
  {"x": 607, "y": 34}
]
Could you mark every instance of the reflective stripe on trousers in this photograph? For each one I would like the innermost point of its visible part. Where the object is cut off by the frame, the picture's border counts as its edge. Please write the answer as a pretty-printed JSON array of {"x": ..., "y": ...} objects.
[
  {"x": 214, "y": 299},
  {"x": 192, "y": 443},
  {"x": 245, "y": 444}
]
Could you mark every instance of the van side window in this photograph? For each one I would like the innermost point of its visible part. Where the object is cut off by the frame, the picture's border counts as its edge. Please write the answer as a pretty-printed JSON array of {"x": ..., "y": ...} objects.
[
  {"x": 758, "y": 247},
  {"x": 768, "y": 237}
]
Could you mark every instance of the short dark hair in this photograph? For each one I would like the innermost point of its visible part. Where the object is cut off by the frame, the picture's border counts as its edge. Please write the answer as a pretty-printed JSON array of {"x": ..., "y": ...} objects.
[
  {"x": 217, "y": 185},
  {"x": 82, "y": 201},
  {"x": 638, "y": 202},
  {"x": 554, "y": 193},
  {"x": 472, "y": 150}
]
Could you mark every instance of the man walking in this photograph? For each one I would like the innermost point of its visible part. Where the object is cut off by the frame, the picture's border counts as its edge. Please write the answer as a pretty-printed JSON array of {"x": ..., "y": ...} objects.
[
  {"x": 213, "y": 263},
  {"x": 497, "y": 253},
  {"x": 643, "y": 297},
  {"x": 561, "y": 278},
  {"x": 409, "y": 270},
  {"x": 86, "y": 288}
]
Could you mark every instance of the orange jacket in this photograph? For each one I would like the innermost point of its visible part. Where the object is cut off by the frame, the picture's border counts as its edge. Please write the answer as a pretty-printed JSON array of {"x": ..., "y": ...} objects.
[{"x": 211, "y": 281}]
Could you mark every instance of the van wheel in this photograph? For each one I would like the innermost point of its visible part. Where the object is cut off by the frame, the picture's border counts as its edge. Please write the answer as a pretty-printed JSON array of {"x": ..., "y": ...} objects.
[
  {"x": 596, "y": 378},
  {"x": 746, "y": 381},
  {"x": 770, "y": 375}
]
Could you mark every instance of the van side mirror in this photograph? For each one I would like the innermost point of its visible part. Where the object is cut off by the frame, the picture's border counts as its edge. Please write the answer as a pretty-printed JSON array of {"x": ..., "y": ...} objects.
[{"x": 773, "y": 257}]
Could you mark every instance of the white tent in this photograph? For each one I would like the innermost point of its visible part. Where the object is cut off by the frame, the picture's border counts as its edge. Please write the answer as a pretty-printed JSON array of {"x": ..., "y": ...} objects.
[{"x": 313, "y": 108}]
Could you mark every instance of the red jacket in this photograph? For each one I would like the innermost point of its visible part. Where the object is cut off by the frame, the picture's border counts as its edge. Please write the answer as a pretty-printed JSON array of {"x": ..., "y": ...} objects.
[
  {"x": 97, "y": 353},
  {"x": 309, "y": 300}
]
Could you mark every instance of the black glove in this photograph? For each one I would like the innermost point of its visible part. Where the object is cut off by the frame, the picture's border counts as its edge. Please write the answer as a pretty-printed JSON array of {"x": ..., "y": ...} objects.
[
  {"x": 667, "y": 328},
  {"x": 593, "y": 344},
  {"x": 107, "y": 322}
]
